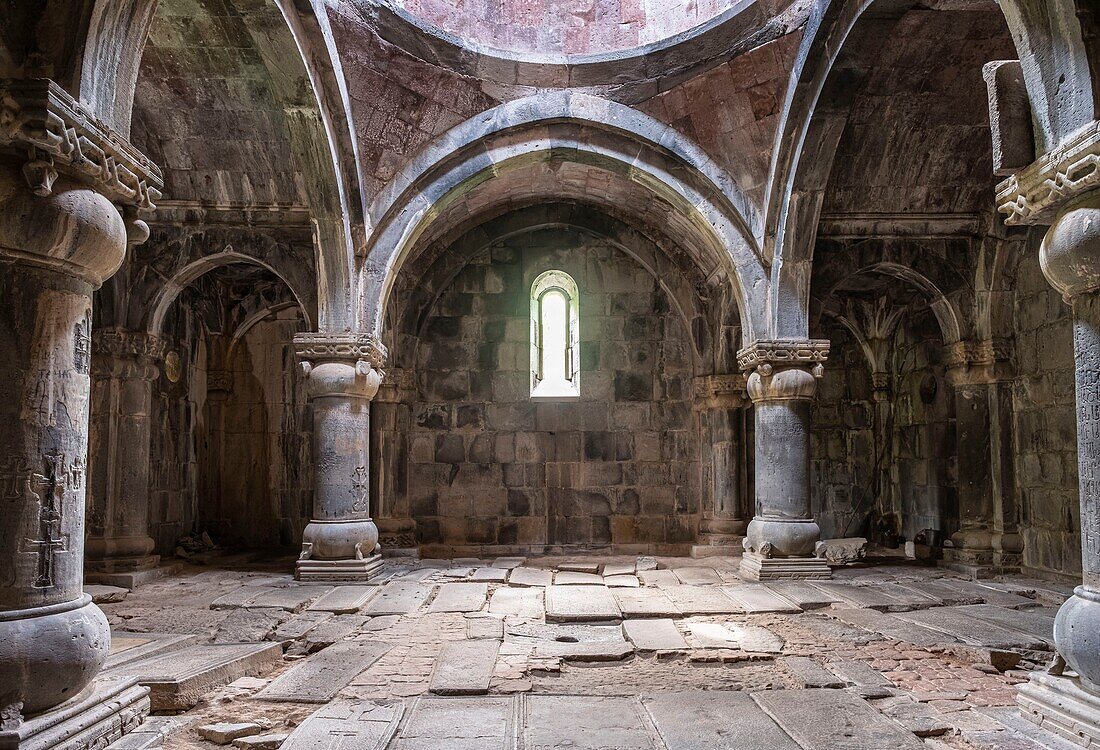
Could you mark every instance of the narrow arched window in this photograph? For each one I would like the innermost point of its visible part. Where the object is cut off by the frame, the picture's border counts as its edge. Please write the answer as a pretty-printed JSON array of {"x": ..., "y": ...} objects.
[{"x": 555, "y": 337}]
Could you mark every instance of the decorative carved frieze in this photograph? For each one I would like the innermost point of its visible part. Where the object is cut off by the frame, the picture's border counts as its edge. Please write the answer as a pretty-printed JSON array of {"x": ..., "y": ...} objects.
[
  {"x": 113, "y": 342},
  {"x": 783, "y": 352},
  {"x": 1038, "y": 192},
  {"x": 340, "y": 347},
  {"x": 725, "y": 391},
  {"x": 42, "y": 123}
]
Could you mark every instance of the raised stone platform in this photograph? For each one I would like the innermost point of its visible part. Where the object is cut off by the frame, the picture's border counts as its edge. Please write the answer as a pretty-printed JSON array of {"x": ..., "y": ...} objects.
[
  {"x": 755, "y": 567},
  {"x": 102, "y": 713},
  {"x": 1060, "y": 705},
  {"x": 131, "y": 579},
  {"x": 339, "y": 570}
]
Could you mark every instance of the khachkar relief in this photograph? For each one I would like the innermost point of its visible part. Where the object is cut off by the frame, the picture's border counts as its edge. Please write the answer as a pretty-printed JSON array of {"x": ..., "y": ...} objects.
[
  {"x": 342, "y": 375},
  {"x": 47, "y": 490},
  {"x": 782, "y": 380}
]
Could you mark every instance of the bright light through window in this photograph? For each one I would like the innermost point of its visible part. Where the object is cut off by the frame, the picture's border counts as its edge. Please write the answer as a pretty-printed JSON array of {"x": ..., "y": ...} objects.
[{"x": 555, "y": 337}]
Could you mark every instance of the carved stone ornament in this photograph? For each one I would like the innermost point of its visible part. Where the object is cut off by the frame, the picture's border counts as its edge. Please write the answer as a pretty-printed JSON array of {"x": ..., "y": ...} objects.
[
  {"x": 974, "y": 362},
  {"x": 340, "y": 347},
  {"x": 112, "y": 342},
  {"x": 783, "y": 352},
  {"x": 41, "y": 122},
  {"x": 1037, "y": 193},
  {"x": 725, "y": 391}
]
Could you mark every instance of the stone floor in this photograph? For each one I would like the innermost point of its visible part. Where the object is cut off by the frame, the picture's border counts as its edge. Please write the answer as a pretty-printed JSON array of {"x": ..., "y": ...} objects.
[{"x": 614, "y": 653}]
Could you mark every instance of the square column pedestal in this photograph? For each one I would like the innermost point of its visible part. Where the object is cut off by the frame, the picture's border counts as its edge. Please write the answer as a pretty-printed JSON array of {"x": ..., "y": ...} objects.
[
  {"x": 339, "y": 570},
  {"x": 756, "y": 567},
  {"x": 1060, "y": 705},
  {"x": 102, "y": 713}
]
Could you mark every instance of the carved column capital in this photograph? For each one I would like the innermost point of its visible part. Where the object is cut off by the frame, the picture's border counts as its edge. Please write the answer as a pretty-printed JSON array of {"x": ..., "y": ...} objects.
[
  {"x": 347, "y": 364},
  {"x": 398, "y": 384},
  {"x": 783, "y": 369},
  {"x": 126, "y": 354},
  {"x": 1037, "y": 193},
  {"x": 724, "y": 391},
  {"x": 981, "y": 362}
]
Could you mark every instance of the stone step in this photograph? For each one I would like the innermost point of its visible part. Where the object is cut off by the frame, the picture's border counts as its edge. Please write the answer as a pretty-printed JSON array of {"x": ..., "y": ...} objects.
[
  {"x": 398, "y": 598},
  {"x": 458, "y": 723},
  {"x": 581, "y": 604},
  {"x": 585, "y": 723},
  {"x": 318, "y": 678},
  {"x": 834, "y": 720},
  {"x": 179, "y": 680},
  {"x": 359, "y": 724},
  {"x": 460, "y": 597},
  {"x": 344, "y": 600},
  {"x": 714, "y": 720},
  {"x": 654, "y": 635},
  {"x": 464, "y": 668}
]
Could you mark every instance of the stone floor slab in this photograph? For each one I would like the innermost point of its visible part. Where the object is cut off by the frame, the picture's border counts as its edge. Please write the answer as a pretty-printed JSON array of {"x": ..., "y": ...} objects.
[
  {"x": 759, "y": 599},
  {"x": 646, "y": 602},
  {"x": 698, "y": 576},
  {"x": 464, "y": 668},
  {"x": 945, "y": 592},
  {"x": 530, "y": 577},
  {"x": 659, "y": 578},
  {"x": 585, "y": 723},
  {"x": 347, "y": 725},
  {"x": 972, "y": 630},
  {"x": 525, "y": 602},
  {"x": 490, "y": 575},
  {"x": 509, "y": 563},
  {"x": 892, "y": 626},
  {"x": 714, "y": 720},
  {"x": 619, "y": 569},
  {"x": 580, "y": 604},
  {"x": 318, "y": 678},
  {"x": 810, "y": 674},
  {"x": 297, "y": 627},
  {"x": 344, "y": 600},
  {"x": 996, "y": 596},
  {"x": 858, "y": 673},
  {"x": 581, "y": 566},
  {"x": 128, "y": 647},
  {"x": 179, "y": 680},
  {"x": 834, "y": 720},
  {"x": 572, "y": 578},
  {"x": 654, "y": 635},
  {"x": 1037, "y": 622},
  {"x": 484, "y": 626},
  {"x": 398, "y": 598},
  {"x": 622, "y": 582},
  {"x": 459, "y": 723},
  {"x": 289, "y": 598},
  {"x": 801, "y": 593},
  {"x": 865, "y": 597},
  {"x": 460, "y": 597},
  {"x": 702, "y": 600},
  {"x": 751, "y": 638}
]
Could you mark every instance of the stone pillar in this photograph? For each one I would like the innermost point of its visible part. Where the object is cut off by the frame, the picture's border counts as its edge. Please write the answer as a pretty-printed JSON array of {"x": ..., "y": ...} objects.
[
  {"x": 118, "y": 549},
  {"x": 1058, "y": 190},
  {"x": 720, "y": 401},
  {"x": 342, "y": 374},
  {"x": 61, "y": 234},
  {"x": 782, "y": 380},
  {"x": 988, "y": 540}
]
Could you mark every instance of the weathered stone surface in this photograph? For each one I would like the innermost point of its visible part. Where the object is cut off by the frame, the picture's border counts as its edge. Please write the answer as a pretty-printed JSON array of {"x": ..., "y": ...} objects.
[
  {"x": 701, "y": 600},
  {"x": 622, "y": 582},
  {"x": 398, "y": 599},
  {"x": 464, "y": 668},
  {"x": 714, "y": 720},
  {"x": 250, "y": 625},
  {"x": 870, "y": 597},
  {"x": 802, "y": 594},
  {"x": 509, "y": 563},
  {"x": 891, "y": 626},
  {"x": 841, "y": 551},
  {"x": 530, "y": 577},
  {"x": 571, "y": 578},
  {"x": 945, "y": 591},
  {"x": 654, "y": 635},
  {"x": 297, "y": 627},
  {"x": 619, "y": 569},
  {"x": 289, "y": 598},
  {"x": 918, "y": 718},
  {"x": 490, "y": 575},
  {"x": 460, "y": 597},
  {"x": 810, "y": 674},
  {"x": 334, "y": 630},
  {"x": 646, "y": 602},
  {"x": 583, "y": 566},
  {"x": 344, "y": 599},
  {"x": 106, "y": 594},
  {"x": 270, "y": 741},
  {"x": 128, "y": 647},
  {"x": 752, "y": 638},
  {"x": 757, "y": 599},
  {"x": 661, "y": 578},
  {"x": 318, "y": 678},
  {"x": 833, "y": 720},
  {"x": 585, "y": 723},
  {"x": 526, "y": 602},
  {"x": 972, "y": 630},
  {"x": 858, "y": 673},
  {"x": 995, "y": 596},
  {"x": 179, "y": 680},
  {"x": 484, "y": 626},
  {"x": 359, "y": 724},
  {"x": 580, "y": 604},
  {"x": 1035, "y": 622},
  {"x": 460, "y": 723},
  {"x": 224, "y": 733},
  {"x": 697, "y": 576}
]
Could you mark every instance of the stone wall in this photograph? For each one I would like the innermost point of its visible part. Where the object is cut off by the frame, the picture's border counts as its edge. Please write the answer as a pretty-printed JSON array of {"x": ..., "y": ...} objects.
[
  {"x": 1046, "y": 437},
  {"x": 488, "y": 468}
]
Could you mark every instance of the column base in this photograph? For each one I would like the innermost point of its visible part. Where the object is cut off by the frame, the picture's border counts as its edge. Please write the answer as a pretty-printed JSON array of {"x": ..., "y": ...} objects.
[
  {"x": 755, "y": 567},
  {"x": 106, "y": 710},
  {"x": 338, "y": 570},
  {"x": 1060, "y": 705}
]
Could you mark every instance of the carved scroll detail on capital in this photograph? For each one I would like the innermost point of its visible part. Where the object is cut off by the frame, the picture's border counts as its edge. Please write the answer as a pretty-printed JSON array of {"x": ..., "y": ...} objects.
[
  {"x": 40, "y": 118},
  {"x": 1038, "y": 192},
  {"x": 341, "y": 347},
  {"x": 783, "y": 352},
  {"x": 974, "y": 362}
]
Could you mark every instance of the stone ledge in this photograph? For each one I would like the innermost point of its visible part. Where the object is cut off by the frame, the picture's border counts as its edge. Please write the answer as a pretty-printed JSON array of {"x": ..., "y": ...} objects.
[
  {"x": 757, "y": 568},
  {"x": 1060, "y": 705},
  {"x": 339, "y": 570},
  {"x": 105, "y": 711}
]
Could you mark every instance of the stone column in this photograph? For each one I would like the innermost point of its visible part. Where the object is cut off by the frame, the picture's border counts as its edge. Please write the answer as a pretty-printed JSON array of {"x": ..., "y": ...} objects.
[
  {"x": 1060, "y": 190},
  {"x": 782, "y": 380},
  {"x": 720, "y": 401},
  {"x": 342, "y": 374},
  {"x": 988, "y": 540},
  {"x": 61, "y": 235},
  {"x": 118, "y": 549}
]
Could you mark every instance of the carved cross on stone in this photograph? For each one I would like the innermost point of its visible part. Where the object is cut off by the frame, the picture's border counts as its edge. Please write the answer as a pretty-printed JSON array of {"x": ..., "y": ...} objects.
[
  {"x": 49, "y": 540},
  {"x": 14, "y": 479},
  {"x": 360, "y": 489}
]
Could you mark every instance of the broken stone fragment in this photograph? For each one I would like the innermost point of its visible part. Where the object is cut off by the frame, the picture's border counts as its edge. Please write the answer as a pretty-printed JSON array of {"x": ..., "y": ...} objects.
[
  {"x": 261, "y": 742},
  {"x": 841, "y": 551},
  {"x": 224, "y": 733}
]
